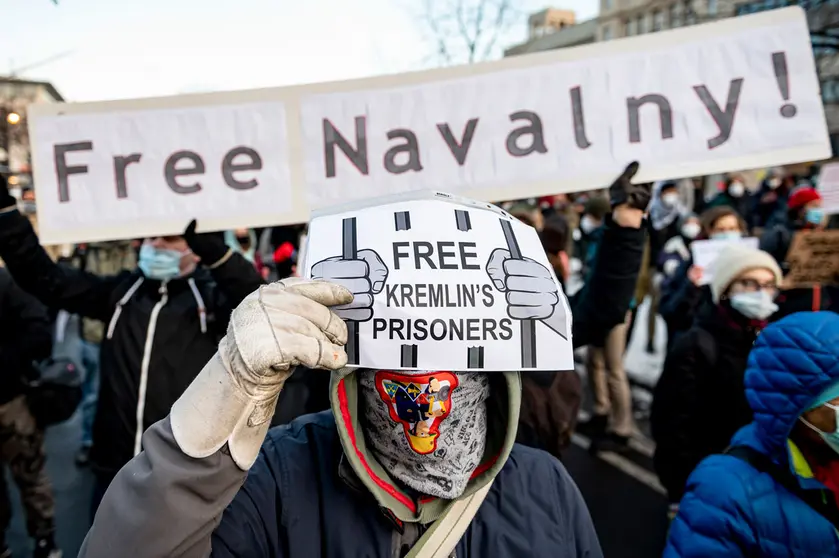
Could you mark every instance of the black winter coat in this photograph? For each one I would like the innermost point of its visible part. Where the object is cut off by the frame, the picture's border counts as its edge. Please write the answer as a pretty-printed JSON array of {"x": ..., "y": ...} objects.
[
  {"x": 700, "y": 401},
  {"x": 25, "y": 336},
  {"x": 158, "y": 339},
  {"x": 680, "y": 302}
]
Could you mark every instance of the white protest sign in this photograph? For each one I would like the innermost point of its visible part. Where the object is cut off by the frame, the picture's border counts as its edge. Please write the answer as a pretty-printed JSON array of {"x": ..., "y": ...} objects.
[
  {"x": 730, "y": 95},
  {"x": 705, "y": 253},
  {"x": 442, "y": 283},
  {"x": 829, "y": 187}
]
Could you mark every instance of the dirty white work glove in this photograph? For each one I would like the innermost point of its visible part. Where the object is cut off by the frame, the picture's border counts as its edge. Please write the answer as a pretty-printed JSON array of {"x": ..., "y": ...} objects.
[{"x": 273, "y": 330}]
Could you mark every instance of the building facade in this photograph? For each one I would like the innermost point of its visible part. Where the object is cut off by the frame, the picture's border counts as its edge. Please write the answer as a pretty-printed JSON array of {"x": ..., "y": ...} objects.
[
  {"x": 552, "y": 29},
  {"x": 15, "y": 96},
  {"x": 627, "y": 18}
]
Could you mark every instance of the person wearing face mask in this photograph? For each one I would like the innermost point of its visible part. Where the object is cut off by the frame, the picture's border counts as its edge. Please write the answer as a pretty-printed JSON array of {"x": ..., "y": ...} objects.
[
  {"x": 676, "y": 251},
  {"x": 805, "y": 213},
  {"x": 774, "y": 493},
  {"x": 400, "y": 466},
  {"x": 683, "y": 293},
  {"x": 734, "y": 196},
  {"x": 162, "y": 319},
  {"x": 588, "y": 235},
  {"x": 704, "y": 369}
]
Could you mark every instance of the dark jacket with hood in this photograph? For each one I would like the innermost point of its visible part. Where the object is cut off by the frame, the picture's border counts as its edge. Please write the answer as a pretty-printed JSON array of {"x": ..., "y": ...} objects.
[
  {"x": 26, "y": 334},
  {"x": 680, "y": 302},
  {"x": 699, "y": 401},
  {"x": 730, "y": 510},
  {"x": 769, "y": 207},
  {"x": 158, "y": 335},
  {"x": 315, "y": 490}
]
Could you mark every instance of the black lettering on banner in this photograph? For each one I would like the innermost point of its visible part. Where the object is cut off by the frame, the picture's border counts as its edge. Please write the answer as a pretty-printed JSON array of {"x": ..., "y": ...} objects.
[
  {"x": 464, "y": 255},
  {"x": 424, "y": 254},
  {"x": 440, "y": 333},
  {"x": 724, "y": 119},
  {"x": 120, "y": 164},
  {"x": 473, "y": 330},
  {"x": 407, "y": 295},
  {"x": 229, "y": 166},
  {"x": 402, "y": 222},
  {"x": 409, "y": 356},
  {"x": 459, "y": 149},
  {"x": 390, "y": 293},
  {"x": 396, "y": 329},
  {"x": 63, "y": 170},
  {"x": 534, "y": 129},
  {"x": 442, "y": 254},
  {"x": 172, "y": 172},
  {"x": 580, "y": 137},
  {"x": 506, "y": 326},
  {"x": 489, "y": 329},
  {"x": 665, "y": 115},
  {"x": 475, "y": 357},
  {"x": 436, "y": 296},
  {"x": 421, "y": 293},
  {"x": 420, "y": 331},
  {"x": 456, "y": 329},
  {"x": 397, "y": 254},
  {"x": 332, "y": 138},
  {"x": 461, "y": 218},
  {"x": 489, "y": 299},
  {"x": 411, "y": 147},
  {"x": 379, "y": 325}
]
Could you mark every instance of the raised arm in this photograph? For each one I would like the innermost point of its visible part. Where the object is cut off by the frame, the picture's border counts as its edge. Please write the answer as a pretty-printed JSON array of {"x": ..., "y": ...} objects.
[{"x": 169, "y": 499}]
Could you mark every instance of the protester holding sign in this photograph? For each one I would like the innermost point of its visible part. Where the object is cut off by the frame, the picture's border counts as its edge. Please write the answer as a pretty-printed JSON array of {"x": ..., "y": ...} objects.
[
  {"x": 704, "y": 370},
  {"x": 164, "y": 322},
  {"x": 416, "y": 452},
  {"x": 804, "y": 214},
  {"x": 775, "y": 493},
  {"x": 683, "y": 293}
]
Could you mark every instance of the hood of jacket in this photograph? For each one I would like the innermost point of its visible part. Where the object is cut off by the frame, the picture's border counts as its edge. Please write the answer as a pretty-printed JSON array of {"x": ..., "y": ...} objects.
[
  {"x": 793, "y": 361},
  {"x": 503, "y": 407}
]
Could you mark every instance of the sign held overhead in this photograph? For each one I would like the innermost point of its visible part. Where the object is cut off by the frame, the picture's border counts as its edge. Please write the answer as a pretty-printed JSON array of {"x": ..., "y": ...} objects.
[{"x": 441, "y": 283}]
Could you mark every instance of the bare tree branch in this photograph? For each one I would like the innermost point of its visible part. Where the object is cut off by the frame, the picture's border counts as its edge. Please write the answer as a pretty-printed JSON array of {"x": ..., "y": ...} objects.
[{"x": 500, "y": 24}]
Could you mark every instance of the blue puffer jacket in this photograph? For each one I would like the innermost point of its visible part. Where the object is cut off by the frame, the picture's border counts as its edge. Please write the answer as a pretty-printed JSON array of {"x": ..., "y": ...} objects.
[{"x": 732, "y": 510}]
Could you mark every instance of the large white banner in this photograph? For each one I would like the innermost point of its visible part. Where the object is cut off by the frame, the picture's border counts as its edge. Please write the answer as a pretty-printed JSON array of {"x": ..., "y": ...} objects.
[{"x": 737, "y": 94}]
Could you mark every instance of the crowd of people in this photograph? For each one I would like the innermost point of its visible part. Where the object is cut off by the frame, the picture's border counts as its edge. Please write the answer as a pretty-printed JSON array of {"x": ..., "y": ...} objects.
[{"x": 194, "y": 346}]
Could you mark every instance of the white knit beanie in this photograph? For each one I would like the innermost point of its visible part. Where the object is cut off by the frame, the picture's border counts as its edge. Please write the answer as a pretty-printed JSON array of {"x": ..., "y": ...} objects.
[{"x": 736, "y": 259}]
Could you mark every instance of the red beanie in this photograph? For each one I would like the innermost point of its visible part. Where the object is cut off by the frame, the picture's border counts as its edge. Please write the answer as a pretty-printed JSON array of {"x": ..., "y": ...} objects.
[
  {"x": 284, "y": 252},
  {"x": 802, "y": 196}
]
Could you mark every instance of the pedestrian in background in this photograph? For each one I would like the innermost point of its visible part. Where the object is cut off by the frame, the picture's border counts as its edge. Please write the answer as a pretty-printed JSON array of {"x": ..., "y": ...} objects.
[
  {"x": 699, "y": 401},
  {"x": 25, "y": 337},
  {"x": 775, "y": 491},
  {"x": 103, "y": 259}
]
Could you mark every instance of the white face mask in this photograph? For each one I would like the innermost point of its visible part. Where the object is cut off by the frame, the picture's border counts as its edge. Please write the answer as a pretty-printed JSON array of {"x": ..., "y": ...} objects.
[
  {"x": 690, "y": 230},
  {"x": 754, "y": 305},
  {"x": 774, "y": 182},
  {"x": 830, "y": 438},
  {"x": 670, "y": 200},
  {"x": 587, "y": 224},
  {"x": 736, "y": 189}
]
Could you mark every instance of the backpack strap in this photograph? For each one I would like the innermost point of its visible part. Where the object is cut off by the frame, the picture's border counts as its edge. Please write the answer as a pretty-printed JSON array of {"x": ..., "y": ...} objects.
[
  {"x": 442, "y": 537},
  {"x": 821, "y": 503}
]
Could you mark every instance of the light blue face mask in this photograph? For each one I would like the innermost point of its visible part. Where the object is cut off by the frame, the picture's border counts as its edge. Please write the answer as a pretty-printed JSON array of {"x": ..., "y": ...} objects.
[
  {"x": 156, "y": 263},
  {"x": 814, "y": 215},
  {"x": 830, "y": 438},
  {"x": 727, "y": 235},
  {"x": 754, "y": 305}
]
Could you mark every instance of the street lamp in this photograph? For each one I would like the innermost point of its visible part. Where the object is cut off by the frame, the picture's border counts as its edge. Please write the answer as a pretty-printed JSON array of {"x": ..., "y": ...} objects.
[{"x": 13, "y": 118}]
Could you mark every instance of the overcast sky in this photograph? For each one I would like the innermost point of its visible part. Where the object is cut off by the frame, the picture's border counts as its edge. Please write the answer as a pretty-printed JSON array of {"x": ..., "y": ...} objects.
[{"x": 140, "y": 48}]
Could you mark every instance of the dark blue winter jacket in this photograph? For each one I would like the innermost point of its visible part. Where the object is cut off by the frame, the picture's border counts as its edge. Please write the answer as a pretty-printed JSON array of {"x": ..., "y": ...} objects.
[{"x": 732, "y": 510}]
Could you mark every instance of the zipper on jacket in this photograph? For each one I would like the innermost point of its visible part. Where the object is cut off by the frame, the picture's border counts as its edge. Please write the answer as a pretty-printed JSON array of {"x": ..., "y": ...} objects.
[{"x": 144, "y": 366}]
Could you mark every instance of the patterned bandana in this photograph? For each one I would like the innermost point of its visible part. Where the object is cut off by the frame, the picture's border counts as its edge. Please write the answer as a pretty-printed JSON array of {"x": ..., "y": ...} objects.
[{"x": 427, "y": 429}]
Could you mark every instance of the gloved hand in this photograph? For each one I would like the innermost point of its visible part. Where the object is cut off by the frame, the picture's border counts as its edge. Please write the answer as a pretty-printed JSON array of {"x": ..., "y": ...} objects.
[
  {"x": 624, "y": 192},
  {"x": 530, "y": 289},
  {"x": 6, "y": 199},
  {"x": 363, "y": 277},
  {"x": 273, "y": 330},
  {"x": 210, "y": 247}
]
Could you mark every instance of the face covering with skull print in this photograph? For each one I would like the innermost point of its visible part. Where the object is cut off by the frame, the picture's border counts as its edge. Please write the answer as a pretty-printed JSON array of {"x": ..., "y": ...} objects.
[{"x": 427, "y": 428}]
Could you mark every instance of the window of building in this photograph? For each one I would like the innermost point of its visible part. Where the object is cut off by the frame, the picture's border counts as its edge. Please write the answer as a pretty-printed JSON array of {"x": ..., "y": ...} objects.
[
  {"x": 658, "y": 20},
  {"x": 640, "y": 25},
  {"x": 607, "y": 33},
  {"x": 712, "y": 7},
  {"x": 629, "y": 28},
  {"x": 675, "y": 16},
  {"x": 689, "y": 16}
]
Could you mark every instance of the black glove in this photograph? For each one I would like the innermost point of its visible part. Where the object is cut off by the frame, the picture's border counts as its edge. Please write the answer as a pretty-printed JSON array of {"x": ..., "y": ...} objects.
[
  {"x": 623, "y": 191},
  {"x": 6, "y": 199},
  {"x": 210, "y": 247}
]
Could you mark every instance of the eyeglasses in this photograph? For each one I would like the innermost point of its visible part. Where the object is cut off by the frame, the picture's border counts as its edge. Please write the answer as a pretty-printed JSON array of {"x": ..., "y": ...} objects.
[{"x": 752, "y": 285}]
